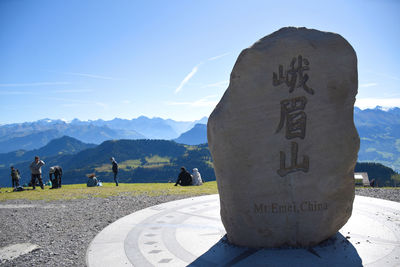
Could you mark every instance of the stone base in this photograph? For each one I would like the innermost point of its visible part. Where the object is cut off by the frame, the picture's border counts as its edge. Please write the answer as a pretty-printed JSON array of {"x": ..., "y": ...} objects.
[{"x": 190, "y": 232}]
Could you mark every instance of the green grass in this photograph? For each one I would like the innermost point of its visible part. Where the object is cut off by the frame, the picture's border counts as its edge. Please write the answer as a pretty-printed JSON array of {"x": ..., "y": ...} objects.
[
  {"x": 133, "y": 163},
  {"x": 151, "y": 162},
  {"x": 76, "y": 191},
  {"x": 158, "y": 159}
]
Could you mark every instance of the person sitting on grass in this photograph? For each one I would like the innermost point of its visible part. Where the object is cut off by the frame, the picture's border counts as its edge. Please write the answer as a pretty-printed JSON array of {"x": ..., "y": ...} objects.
[
  {"x": 92, "y": 181},
  {"x": 184, "y": 178},
  {"x": 196, "y": 177}
]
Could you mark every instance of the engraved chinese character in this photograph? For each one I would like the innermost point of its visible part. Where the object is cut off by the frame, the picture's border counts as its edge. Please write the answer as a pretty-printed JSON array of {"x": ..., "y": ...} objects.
[
  {"x": 293, "y": 115},
  {"x": 295, "y": 74},
  {"x": 294, "y": 166}
]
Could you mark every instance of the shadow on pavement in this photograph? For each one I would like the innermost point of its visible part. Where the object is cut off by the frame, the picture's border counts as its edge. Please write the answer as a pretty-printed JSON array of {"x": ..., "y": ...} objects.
[{"x": 335, "y": 251}]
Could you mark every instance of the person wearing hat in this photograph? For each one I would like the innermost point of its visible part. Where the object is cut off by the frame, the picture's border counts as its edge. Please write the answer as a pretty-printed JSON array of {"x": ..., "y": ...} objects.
[
  {"x": 36, "y": 172},
  {"x": 57, "y": 171}
]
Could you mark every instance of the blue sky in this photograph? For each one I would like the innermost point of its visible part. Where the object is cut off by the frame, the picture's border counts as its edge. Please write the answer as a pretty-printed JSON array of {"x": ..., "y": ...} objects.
[{"x": 170, "y": 59}]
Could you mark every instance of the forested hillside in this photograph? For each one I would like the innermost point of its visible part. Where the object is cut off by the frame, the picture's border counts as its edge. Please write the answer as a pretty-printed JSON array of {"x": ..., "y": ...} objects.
[
  {"x": 139, "y": 161},
  {"x": 379, "y": 132}
]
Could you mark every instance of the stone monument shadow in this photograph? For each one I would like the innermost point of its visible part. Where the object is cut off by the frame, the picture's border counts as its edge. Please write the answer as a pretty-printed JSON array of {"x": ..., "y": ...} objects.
[{"x": 335, "y": 251}]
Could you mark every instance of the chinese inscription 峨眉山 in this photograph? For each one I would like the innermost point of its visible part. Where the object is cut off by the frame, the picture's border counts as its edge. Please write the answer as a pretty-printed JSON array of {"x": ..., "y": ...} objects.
[{"x": 292, "y": 112}]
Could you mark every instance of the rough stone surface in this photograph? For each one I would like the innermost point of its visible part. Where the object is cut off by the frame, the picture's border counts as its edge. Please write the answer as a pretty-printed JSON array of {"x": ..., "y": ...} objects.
[
  {"x": 55, "y": 228},
  {"x": 283, "y": 140},
  {"x": 63, "y": 229},
  {"x": 13, "y": 251}
]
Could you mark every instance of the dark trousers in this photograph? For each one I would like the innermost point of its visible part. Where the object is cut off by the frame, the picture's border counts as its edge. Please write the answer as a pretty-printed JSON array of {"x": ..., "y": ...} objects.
[
  {"x": 33, "y": 180},
  {"x": 15, "y": 182},
  {"x": 56, "y": 182},
  {"x": 115, "y": 178}
]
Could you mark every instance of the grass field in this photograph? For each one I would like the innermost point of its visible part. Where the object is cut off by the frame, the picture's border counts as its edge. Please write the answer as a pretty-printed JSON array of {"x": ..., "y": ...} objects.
[{"x": 108, "y": 189}]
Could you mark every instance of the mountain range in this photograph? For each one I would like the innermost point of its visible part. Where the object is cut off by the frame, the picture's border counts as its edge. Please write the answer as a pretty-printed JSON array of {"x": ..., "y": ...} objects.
[
  {"x": 139, "y": 161},
  {"x": 379, "y": 132},
  {"x": 195, "y": 136},
  {"x": 56, "y": 147},
  {"x": 33, "y": 135}
]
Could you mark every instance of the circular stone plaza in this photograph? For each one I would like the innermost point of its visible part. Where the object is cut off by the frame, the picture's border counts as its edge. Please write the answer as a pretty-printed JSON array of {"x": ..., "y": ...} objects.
[{"x": 189, "y": 232}]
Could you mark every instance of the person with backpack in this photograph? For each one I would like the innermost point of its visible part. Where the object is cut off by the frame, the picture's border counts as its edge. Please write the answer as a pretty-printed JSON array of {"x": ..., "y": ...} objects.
[
  {"x": 184, "y": 178},
  {"x": 57, "y": 172},
  {"x": 15, "y": 176},
  {"x": 115, "y": 170},
  {"x": 36, "y": 172}
]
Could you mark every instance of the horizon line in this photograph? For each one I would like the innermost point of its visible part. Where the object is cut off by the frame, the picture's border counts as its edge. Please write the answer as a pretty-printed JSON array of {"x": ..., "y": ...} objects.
[{"x": 377, "y": 107}]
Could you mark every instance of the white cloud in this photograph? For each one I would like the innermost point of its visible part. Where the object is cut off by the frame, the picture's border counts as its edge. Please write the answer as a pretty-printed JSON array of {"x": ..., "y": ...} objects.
[
  {"x": 217, "y": 84},
  {"x": 218, "y": 57},
  {"x": 94, "y": 76},
  {"x": 384, "y": 75},
  {"x": 126, "y": 102},
  {"x": 203, "y": 102},
  {"x": 69, "y": 105},
  {"x": 194, "y": 70},
  {"x": 103, "y": 105},
  {"x": 15, "y": 93},
  {"x": 367, "y": 85},
  {"x": 32, "y": 84},
  {"x": 364, "y": 103},
  {"x": 187, "y": 78},
  {"x": 74, "y": 91},
  {"x": 69, "y": 100}
]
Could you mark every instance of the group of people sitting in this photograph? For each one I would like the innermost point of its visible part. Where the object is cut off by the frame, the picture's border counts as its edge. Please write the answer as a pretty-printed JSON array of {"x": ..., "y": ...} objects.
[
  {"x": 185, "y": 178},
  {"x": 55, "y": 174}
]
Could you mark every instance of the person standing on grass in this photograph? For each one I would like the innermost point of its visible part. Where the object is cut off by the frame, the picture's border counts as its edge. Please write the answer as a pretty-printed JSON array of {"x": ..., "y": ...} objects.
[
  {"x": 36, "y": 172},
  {"x": 115, "y": 170},
  {"x": 15, "y": 177}
]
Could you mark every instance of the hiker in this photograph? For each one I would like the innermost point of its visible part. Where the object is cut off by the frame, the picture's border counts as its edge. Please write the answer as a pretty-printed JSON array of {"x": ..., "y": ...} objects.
[
  {"x": 92, "y": 181},
  {"x": 36, "y": 172},
  {"x": 372, "y": 183},
  {"x": 196, "y": 177},
  {"x": 15, "y": 176},
  {"x": 115, "y": 170},
  {"x": 184, "y": 178},
  {"x": 57, "y": 171}
]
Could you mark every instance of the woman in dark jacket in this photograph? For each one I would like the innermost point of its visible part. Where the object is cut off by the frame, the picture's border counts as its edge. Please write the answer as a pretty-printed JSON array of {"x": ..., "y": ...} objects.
[
  {"x": 115, "y": 170},
  {"x": 184, "y": 178}
]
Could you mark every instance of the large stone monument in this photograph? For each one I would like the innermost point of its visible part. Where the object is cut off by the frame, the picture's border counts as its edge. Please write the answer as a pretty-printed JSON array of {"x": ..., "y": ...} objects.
[{"x": 283, "y": 140}]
